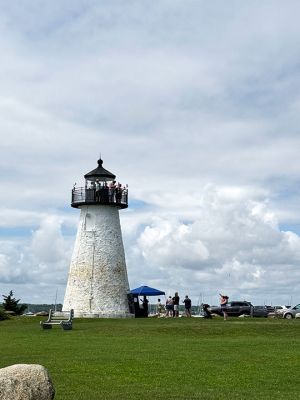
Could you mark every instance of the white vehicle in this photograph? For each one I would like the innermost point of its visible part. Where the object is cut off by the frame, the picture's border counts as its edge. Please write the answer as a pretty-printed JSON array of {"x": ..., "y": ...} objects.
[
  {"x": 281, "y": 309},
  {"x": 291, "y": 312}
]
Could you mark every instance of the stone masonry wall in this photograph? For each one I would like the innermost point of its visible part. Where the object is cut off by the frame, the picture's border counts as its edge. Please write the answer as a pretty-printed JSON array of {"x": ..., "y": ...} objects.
[{"x": 98, "y": 282}]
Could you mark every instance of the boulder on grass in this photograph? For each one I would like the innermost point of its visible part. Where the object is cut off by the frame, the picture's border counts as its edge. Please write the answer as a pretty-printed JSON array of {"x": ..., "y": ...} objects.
[{"x": 26, "y": 382}]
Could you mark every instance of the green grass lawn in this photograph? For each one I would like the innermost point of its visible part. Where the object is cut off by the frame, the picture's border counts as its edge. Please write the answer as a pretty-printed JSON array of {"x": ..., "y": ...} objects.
[{"x": 161, "y": 358}]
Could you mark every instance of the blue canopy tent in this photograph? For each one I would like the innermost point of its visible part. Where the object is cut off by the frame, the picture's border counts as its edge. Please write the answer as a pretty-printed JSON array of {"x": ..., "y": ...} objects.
[
  {"x": 143, "y": 291},
  {"x": 146, "y": 291}
]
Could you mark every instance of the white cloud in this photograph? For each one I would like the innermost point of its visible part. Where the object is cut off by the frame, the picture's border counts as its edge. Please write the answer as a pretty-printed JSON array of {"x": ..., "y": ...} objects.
[
  {"x": 39, "y": 261},
  {"x": 48, "y": 233},
  {"x": 167, "y": 243},
  {"x": 233, "y": 245}
]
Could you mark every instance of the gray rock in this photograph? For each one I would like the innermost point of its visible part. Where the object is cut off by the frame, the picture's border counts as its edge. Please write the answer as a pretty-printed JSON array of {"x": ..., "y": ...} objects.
[{"x": 26, "y": 382}]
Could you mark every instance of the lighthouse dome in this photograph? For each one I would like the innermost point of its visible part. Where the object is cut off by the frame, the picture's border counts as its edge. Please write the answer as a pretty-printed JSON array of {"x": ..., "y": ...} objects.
[{"x": 100, "y": 173}]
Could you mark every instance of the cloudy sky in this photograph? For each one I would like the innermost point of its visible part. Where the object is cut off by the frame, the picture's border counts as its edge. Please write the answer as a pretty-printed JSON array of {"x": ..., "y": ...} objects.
[{"x": 195, "y": 104}]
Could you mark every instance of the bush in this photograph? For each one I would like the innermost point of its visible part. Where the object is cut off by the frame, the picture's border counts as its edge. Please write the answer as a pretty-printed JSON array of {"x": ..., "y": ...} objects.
[{"x": 3, "y": 314}]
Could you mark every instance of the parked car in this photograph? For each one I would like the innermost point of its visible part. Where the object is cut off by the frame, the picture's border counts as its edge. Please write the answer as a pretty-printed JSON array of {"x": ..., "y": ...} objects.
[
  {"x": 291, "y": 312},
  {"x": 270, "y": 309},
  {"x": 281, "y": 309},
  {"x": 260, "y": 311},
  {"x": 238, "y": 308}
]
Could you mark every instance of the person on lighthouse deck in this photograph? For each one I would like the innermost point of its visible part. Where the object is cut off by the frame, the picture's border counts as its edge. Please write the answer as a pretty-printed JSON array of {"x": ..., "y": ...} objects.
[
  {"x": 112, "y": 191},
  {"x": 97, "y": 187},
  {"x": 119, "y": 191}
]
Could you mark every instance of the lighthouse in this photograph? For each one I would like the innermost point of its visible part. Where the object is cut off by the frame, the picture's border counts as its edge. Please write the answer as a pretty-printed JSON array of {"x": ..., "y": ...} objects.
[{"x": 97, "y": 282}]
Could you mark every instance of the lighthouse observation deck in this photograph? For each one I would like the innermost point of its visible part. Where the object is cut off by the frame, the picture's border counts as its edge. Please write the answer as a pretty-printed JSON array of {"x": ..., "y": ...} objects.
[
  {"x": 100, "y": 188},
  {"x": 105, "y": 196}
]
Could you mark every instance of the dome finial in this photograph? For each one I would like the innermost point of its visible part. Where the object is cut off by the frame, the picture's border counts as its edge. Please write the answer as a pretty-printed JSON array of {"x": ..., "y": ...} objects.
[{"x": 100, "y": 162}]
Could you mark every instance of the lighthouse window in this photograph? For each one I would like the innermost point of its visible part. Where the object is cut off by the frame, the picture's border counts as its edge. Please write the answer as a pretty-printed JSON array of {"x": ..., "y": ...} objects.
[{"x": 89, "y": 222}]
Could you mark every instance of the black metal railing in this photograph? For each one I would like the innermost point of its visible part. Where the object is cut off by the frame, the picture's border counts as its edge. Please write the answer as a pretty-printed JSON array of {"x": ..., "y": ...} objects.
[{"x": 106, "y": 196}]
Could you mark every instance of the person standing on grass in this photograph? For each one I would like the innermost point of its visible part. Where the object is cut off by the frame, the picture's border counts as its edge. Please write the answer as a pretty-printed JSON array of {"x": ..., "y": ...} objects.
[
  {"x": 176, "y": 299},
  {"x": 169, "y": 307},
  {"x": 188, "y": 305},
  {"x": 145, "y": 302},
  {"x": 223, "y": 303},
  {"x": 160, "y": 308}
]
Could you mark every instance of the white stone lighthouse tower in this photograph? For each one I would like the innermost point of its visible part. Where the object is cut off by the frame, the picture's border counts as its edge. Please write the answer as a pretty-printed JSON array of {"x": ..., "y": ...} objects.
[{"x": 98, "y": 282}]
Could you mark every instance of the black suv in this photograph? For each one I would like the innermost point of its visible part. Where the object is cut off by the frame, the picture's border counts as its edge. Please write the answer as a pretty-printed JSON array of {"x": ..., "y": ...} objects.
[{"x": 237, "y": 308}]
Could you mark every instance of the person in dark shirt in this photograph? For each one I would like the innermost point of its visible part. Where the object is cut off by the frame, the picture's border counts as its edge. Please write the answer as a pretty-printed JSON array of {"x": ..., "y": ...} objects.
[
  {"x": 119, "y": 191},
  {"x": 145, "y": 302},
  {"x": 188, "y": 305},
  {"x": 206, "y": 312},
  {"x": 176, "y": 305},
  {"x": 98, "y": 188},
  {"x": 104, "y": 194}
]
